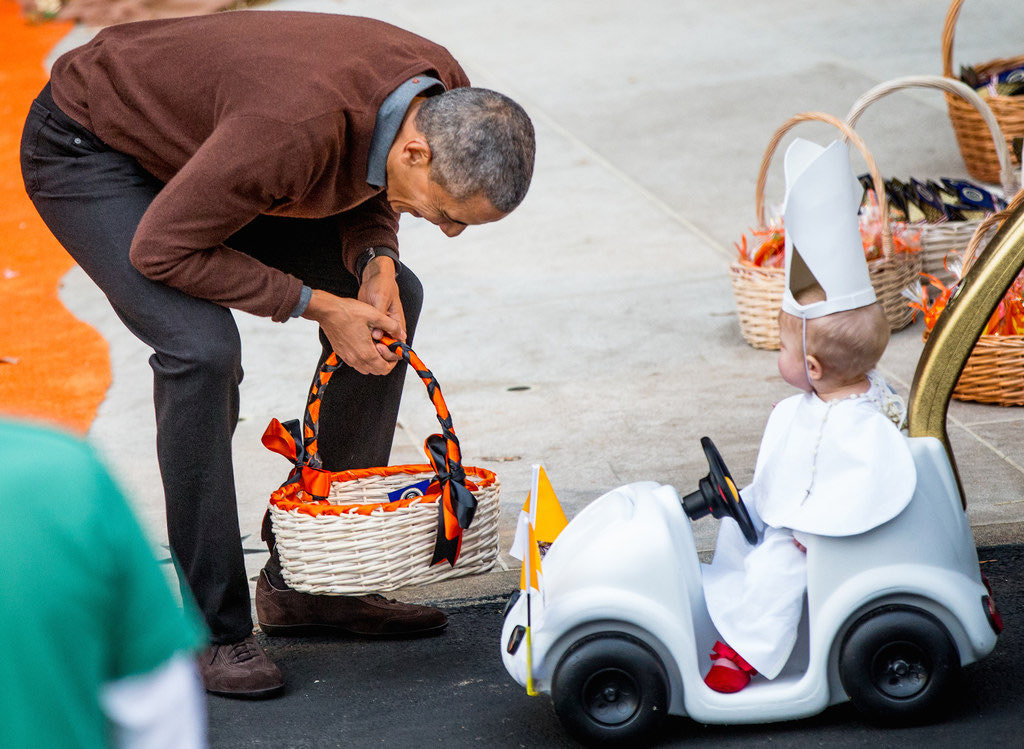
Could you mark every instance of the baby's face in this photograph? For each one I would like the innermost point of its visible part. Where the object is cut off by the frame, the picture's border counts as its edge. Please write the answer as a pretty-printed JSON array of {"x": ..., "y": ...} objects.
[{"x": 791, "y": 353}]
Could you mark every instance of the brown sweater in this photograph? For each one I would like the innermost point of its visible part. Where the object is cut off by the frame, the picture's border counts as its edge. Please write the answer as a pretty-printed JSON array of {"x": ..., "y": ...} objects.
[{"x": 244, "y": 113}]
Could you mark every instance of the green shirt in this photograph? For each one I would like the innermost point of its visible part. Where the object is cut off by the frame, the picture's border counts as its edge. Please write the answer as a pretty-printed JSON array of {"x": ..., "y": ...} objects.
[{"x": 82, "y": 600}]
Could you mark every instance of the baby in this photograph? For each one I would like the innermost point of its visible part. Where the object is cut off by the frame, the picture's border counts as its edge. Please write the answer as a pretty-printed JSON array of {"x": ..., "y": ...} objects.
[{"x": 832, "y": 460}]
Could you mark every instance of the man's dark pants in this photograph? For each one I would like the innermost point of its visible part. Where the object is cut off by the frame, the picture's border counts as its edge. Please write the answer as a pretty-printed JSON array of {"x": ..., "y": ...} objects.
[{"x": 92, "y": 198}]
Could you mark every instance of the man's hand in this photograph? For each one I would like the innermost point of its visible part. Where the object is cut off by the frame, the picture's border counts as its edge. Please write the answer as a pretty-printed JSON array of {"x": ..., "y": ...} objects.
[
  {"x": 353, "y": 327},
  {"x": 379, "y": 290}
]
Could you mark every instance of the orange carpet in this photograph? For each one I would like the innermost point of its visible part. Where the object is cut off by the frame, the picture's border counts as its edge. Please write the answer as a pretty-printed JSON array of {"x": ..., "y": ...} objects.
[{"x": 53, "y": 367}]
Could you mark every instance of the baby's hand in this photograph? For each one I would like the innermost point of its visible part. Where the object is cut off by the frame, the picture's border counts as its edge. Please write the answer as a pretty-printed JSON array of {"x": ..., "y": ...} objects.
[{"x": 800, "y": 546}]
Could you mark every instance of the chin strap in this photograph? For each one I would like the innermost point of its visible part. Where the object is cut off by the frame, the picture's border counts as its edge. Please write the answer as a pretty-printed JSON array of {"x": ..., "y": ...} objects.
[{"x": 807, "y": 371}]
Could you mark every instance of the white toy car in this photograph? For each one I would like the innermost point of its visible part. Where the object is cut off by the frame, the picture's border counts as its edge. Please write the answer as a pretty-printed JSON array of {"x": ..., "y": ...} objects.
[
  {"x": 623, "y": 635},
  {"x": 624, "y": 638}
]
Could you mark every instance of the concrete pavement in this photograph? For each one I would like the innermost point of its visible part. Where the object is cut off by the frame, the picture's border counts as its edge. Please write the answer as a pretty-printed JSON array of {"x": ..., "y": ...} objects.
[{"x": 606, "y": 293}]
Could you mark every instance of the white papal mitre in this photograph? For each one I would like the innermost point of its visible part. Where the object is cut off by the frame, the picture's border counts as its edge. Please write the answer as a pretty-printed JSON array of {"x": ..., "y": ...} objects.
[{"x": 823, "y": 242}]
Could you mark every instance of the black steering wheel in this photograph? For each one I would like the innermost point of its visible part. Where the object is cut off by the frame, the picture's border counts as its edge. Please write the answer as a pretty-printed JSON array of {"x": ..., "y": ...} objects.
[{"x": 718, "y": 496}]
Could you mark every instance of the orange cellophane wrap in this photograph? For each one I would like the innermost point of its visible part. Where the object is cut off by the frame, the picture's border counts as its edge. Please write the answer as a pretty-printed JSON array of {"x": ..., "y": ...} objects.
[
  {"x": 292, "y": 497},
  {"x": 1008, "y": 317}
]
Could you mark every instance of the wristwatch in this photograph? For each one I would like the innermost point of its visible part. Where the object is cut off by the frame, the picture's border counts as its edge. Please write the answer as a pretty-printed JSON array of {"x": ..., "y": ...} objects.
[{"x": 369, "y": 254}]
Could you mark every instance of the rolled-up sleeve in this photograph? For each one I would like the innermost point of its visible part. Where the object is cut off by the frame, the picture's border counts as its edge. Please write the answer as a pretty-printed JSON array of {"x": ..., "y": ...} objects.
[{"x": 370, "y": 224}]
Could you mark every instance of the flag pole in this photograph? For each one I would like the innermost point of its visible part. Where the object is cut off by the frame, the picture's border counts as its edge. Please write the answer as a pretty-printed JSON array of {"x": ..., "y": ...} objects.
[
  {"x": 528, "y": 561},
  {"x": 530, "y": 691}
]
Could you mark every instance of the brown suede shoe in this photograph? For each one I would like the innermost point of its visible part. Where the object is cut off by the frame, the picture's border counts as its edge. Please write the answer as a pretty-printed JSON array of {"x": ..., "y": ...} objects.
[
  {"x": 241, "y": 669},
  {"x": 285, "y": 612}
]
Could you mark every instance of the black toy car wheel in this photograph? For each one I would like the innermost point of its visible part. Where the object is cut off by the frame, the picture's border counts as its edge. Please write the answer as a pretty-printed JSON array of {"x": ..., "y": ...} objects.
[
  {"x": 896, "y": 663},
  {"x": 610, "y": 689}
]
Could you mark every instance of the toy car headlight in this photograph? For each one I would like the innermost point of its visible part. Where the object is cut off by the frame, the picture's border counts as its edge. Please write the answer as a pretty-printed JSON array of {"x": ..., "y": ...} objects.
[
  {"x": 515, "y": 639},
  {"x": 995, "y": 619},
  {"x": 510, "y": 602}
]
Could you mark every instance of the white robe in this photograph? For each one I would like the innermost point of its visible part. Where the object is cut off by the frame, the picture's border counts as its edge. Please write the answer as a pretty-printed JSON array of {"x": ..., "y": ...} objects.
[{"x": 832, "y": 469}]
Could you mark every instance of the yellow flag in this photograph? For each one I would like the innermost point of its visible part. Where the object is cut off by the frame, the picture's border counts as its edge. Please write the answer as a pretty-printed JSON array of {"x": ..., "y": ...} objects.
[
  {"x": 531, "y": 565},
  {"x": 546, "y": 514}
]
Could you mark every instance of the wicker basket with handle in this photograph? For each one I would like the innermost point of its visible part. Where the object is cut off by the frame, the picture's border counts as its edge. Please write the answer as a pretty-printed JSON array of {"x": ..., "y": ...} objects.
[
  {"x": 994, "y": 372},
  {"x": 972, "y": 132},
  {"x": 940, "y": 239},
  {"x": 378, "y": 529},
  {"x": 758, "y": 290}
]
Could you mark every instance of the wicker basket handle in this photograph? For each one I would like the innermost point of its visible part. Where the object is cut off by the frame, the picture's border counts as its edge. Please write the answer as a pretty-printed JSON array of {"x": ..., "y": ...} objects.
[
  {"x": 773, "y": 144},
  {"x": 297, "y": 440},
  {"x": 947, "y": 47},
  {"x": 951, "y": 86},
  {"x": 311, "y": 418},
  {"x": 948, "y": 32}
]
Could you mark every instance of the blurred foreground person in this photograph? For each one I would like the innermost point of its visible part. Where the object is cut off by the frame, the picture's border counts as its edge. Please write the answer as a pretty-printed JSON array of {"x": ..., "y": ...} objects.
[{"x": 99, "y": 652}]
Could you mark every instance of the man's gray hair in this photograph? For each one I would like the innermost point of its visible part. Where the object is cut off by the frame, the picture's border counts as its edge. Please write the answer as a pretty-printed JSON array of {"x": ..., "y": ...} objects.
[{"x": 481, "y": 142}]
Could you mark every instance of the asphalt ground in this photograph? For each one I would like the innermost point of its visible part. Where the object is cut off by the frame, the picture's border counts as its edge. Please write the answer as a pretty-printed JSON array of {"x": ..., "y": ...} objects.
[{"x": 452, "y": 691}]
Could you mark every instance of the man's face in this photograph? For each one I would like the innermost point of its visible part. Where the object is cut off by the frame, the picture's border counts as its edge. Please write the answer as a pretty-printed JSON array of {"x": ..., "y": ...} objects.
[{"x": 412, "y": 191}]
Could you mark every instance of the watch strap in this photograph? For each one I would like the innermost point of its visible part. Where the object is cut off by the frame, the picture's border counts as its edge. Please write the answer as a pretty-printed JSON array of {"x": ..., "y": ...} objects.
[{"x": 369, "y": 254}]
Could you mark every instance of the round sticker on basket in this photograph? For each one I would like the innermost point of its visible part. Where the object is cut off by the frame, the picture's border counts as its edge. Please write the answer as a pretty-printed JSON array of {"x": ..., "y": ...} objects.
[{"x": 407, "y": 492}]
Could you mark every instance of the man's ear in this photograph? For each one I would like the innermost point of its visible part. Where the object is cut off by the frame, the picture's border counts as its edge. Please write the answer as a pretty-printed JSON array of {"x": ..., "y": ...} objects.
[
  {"x": 416, "y": 152},
  {"x": 814, "y": 368}
]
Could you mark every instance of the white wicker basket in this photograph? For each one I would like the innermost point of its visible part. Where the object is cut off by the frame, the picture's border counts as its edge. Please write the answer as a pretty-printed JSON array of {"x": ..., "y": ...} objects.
[
  {"x": 940, "y": 239},
  {"x": 373, "y": 530},
  {"x": 351, "y": 553}
]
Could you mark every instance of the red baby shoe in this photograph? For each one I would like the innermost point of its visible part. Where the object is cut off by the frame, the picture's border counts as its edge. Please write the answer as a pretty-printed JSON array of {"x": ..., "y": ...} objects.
[{"x": 728, "y": 678}]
